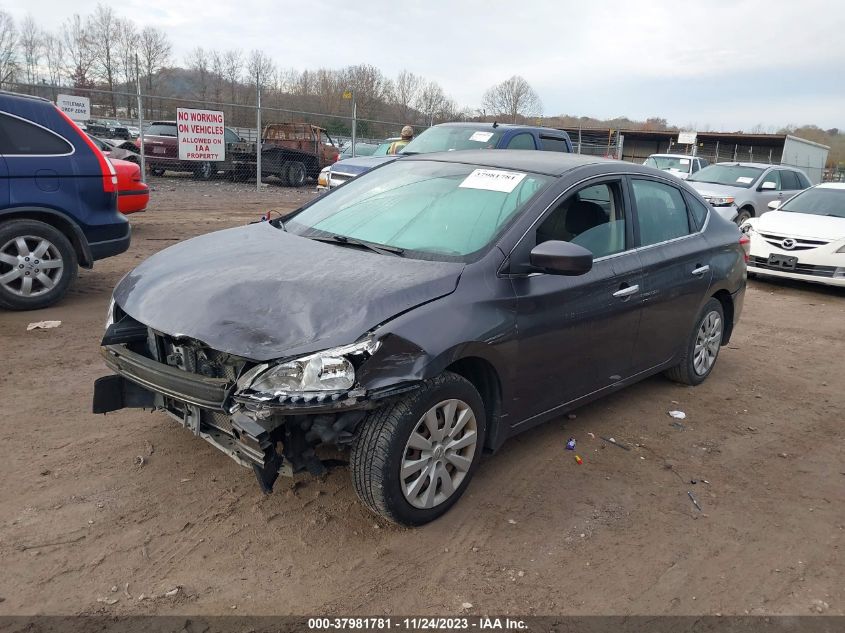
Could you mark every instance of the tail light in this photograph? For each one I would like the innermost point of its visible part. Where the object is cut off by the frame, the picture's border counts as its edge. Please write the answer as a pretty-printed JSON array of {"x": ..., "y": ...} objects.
[
  {"x": 106, "y": 168},
  {"x": 745, "y": 243}
]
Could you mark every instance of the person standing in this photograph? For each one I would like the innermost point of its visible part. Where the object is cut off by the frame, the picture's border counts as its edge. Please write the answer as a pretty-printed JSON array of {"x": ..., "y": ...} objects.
[{"x": 407, "y": 134}]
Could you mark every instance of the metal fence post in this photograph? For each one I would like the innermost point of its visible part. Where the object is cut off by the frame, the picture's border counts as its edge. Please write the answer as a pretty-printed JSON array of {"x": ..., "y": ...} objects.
[
  {"x": 354, "y": 122},
  {"x": 717, "y": 152},
  {"x": 140, "y": 120},
  {"x": 579, "y": 138},
  {"x": 258, "y": 140}
]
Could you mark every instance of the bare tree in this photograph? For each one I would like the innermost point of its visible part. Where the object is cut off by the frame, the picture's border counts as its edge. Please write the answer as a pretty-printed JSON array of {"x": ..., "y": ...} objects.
[
  {"x": 370, "y": 85},
  {"x": 431, "y": 100},
  {"x": 32, "y": 47},
  {"x": 199, "y": 62},
  {"x": 218, "y": 70},
  {"x": 102, "y": 27},
  {"x": 155, "y": 49},
  {"x": 513, "y": 97},
  {"x": 260, "y": 68},
  {"x": 127, "y": 40},
  {"x": 406, "y": 91},
  {"x": 54, "y": 60},
  {"x": 233, "y": 64},
  {"x": 8, "y": 48},
  {"x": 79, "y": 50}
]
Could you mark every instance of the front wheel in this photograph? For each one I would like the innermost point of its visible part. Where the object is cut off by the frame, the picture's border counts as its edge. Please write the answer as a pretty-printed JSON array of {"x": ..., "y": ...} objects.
[
  {"x": 37, "y": 264},
  {"x": 742, "y": 216},
  {"x": 702, "y": 347},
  {"x": 205, "y": 170},
  {"x": 412, "y": 460}
]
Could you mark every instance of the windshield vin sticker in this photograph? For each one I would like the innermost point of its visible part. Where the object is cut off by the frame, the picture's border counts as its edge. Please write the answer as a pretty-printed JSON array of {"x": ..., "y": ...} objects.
[
  {"x": 481, "y": 137},
  {"x": 492, "y": 180},
  {"x": 744, "y": 180}
]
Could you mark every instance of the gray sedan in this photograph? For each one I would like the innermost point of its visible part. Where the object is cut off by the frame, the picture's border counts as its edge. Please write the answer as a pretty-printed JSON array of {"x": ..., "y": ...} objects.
[{"x": 738, "y": 191}]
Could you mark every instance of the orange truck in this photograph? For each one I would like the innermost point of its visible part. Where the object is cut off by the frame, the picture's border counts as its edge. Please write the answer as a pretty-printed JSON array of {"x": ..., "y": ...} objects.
[{"x": 293, "y": 152}]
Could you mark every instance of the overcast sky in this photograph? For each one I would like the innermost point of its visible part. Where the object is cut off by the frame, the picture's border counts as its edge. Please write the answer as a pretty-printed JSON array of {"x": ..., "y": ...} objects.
[{"x": 729, "y": 64}]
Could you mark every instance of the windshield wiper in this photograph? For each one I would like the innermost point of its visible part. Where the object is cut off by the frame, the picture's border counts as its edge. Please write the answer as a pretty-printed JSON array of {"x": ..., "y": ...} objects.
[{"x": 351, "y": 241}]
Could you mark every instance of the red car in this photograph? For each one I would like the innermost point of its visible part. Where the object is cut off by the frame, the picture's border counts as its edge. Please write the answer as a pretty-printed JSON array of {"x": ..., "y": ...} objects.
[{"x": 132, "y": 193}]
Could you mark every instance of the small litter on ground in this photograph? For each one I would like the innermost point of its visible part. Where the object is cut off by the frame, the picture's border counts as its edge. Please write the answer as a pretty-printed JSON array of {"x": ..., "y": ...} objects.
[
  {"x": 678, "y": 415},
  {"x": 43, "y": 325}
]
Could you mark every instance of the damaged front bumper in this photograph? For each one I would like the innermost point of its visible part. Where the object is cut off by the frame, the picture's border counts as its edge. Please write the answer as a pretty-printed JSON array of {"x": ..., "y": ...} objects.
[{"x": 247, "y": 427}]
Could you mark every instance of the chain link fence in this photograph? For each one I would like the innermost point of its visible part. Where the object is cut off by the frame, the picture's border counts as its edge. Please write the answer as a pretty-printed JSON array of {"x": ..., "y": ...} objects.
[{"x": 295, "y": 144}]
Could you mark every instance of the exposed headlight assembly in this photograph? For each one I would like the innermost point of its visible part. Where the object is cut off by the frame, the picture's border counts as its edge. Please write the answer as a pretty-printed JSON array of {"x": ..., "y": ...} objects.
[
  {"x": 110, "y": 314},
  {"x": 720, "y": 201},
  {"x": 331, "y": 370}
]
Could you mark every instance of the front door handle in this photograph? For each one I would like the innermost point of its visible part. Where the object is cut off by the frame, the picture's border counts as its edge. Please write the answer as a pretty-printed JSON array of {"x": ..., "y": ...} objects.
[
  {"x": 701, "y": 270},
  {"x": 627, "y": 291}
]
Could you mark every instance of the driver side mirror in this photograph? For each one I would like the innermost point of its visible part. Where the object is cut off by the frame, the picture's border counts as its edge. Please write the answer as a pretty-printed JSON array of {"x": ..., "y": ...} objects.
[
  {"x": 561, "y": 258},
  {"x": 768, "y": 185}
]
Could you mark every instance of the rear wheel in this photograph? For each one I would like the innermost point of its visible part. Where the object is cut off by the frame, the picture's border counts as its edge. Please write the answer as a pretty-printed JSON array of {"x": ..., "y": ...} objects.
[
  {"x": 283, "y": 173},
  {"x": 205, "y": 170},
  {"x": 37, "y": 264},
  {"x": 412, "y": 460},
  {"x": 296, "y": 174},
  {"x": 702, "y": 347}
]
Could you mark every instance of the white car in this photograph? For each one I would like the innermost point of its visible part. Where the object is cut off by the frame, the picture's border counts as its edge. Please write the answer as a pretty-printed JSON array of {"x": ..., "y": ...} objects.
[
  {"x": 680, "y": 165},
  {"x": 802, "y": 238}
]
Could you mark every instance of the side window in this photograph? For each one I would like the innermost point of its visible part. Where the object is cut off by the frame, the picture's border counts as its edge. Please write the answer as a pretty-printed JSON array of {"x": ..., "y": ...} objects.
[
  {"x": 522, "y": 141},
  {"x": 695, "y": 166},
  {"x": 553, "y": 144},
  {"x": 229, "y": 136},
  {"x": 803, "y": 180},
  {"x": 21, "y": 138},
  {"x": 698, "y": 211},
  {"x": 789, "y": 180},
  {"x": 772, "y": 176},
  {"x": 592, "y": 217},
  {"x": 661, "y": 212}
]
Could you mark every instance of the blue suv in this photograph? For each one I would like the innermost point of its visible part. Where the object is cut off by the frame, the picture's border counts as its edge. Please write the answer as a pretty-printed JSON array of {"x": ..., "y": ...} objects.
[{"x": 58, "y": 203}]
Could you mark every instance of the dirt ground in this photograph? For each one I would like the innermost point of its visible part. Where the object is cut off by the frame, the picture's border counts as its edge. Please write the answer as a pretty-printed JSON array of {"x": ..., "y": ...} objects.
[{"x": 84, "y": 529}]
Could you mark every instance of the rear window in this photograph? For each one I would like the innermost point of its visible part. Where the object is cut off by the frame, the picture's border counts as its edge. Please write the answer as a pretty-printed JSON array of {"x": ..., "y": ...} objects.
[
  {"x": 22, "y": 138},
  {"x": 553, "y": 144},
  {"x": 162, "y": 129}
]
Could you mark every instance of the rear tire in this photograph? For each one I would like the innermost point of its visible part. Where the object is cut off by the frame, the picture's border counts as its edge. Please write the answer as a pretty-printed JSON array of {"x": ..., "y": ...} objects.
[
  {"x": 37, "y": 265},
  {"x": 702, "y": 348},
  {"x": 296, "y": 174},
  {"x": 435, "y": 435},
  {"x": 205, "y": 170}
]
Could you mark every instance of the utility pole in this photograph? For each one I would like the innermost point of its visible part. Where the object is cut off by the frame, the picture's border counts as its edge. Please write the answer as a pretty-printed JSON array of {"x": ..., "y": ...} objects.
[
  {"x": 258, "y": 140},
  {"x": 140, "y": 118}
]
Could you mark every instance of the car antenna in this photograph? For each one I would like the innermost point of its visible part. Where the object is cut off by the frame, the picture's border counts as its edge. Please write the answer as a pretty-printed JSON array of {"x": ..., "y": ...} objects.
[{"x": 495, "y": 124}]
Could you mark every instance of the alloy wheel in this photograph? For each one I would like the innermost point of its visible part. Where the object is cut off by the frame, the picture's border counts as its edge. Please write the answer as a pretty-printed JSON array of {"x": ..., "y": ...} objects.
[
  {"x": 438, "y": 453},
  {"x": 707, "y": 343},
  {"x": 30, "y": 266}
]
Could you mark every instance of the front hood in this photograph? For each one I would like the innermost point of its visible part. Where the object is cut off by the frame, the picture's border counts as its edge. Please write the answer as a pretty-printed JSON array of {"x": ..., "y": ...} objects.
[
  {"x": 361, "y": 164},
  {"x": 709, "y": 189},
  {"x": 801, "y": 225},
  {"x": 261, "y": 293}
]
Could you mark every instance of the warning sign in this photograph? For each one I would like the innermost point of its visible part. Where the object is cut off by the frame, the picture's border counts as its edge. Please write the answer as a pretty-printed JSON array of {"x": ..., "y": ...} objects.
[{"x": 200, "y": 134}]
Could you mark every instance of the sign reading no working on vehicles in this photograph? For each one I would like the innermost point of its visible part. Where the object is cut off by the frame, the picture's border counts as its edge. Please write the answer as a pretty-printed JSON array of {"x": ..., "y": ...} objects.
[
  {"x": 200, "y": 134},
  {"x": 77, "y": 108}
]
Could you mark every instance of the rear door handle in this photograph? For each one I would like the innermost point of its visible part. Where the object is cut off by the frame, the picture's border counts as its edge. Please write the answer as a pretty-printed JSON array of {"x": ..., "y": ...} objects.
[
  {"x": 701, "y": 270},
  {"x": 627, "y": 291}
]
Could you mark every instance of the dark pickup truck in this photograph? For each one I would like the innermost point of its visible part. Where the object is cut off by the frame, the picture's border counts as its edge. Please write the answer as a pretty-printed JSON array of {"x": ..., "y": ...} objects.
[{"x": 448, "y": 137}]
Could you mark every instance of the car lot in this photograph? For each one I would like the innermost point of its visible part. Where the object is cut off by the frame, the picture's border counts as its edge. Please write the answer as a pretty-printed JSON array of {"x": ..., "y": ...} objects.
[{"x": 535, "y": 533}]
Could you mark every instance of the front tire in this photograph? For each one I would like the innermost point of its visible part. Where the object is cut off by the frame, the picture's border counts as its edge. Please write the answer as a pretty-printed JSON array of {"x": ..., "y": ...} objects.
[
  {"x": 205, "y": 170},
  {"x": 702, "y": 347},
  {"x": 742, "y": 216},
  {"x": 37, "y": 264},
  {"x": 296, "y": 174},
  {"x": 412, "y": 460}
]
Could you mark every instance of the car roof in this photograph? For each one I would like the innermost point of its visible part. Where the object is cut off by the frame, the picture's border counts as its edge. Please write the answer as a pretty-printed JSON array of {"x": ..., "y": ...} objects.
[
  {"x": 758, "y": 165},
  {"x": 549, "y": 163},
  {"x": 18, "y": 95},
  {"x": 831, "y": 185},
  {"x": 673, "y": 155},
  {"x": 484, "y": 125}
]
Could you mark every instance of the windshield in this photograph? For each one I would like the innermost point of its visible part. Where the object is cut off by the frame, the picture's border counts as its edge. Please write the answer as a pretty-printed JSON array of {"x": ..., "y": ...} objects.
[
  {"x": 818, "y": 201},
  {"x": 667, "y": 163},
  {"x": 381, "y": 150},
  {"x": 361, "y": 149},
  {"x": 432, "y": 210},
  {"x": 731, "y": 175},
  {"x": 447, "y": 138}
]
